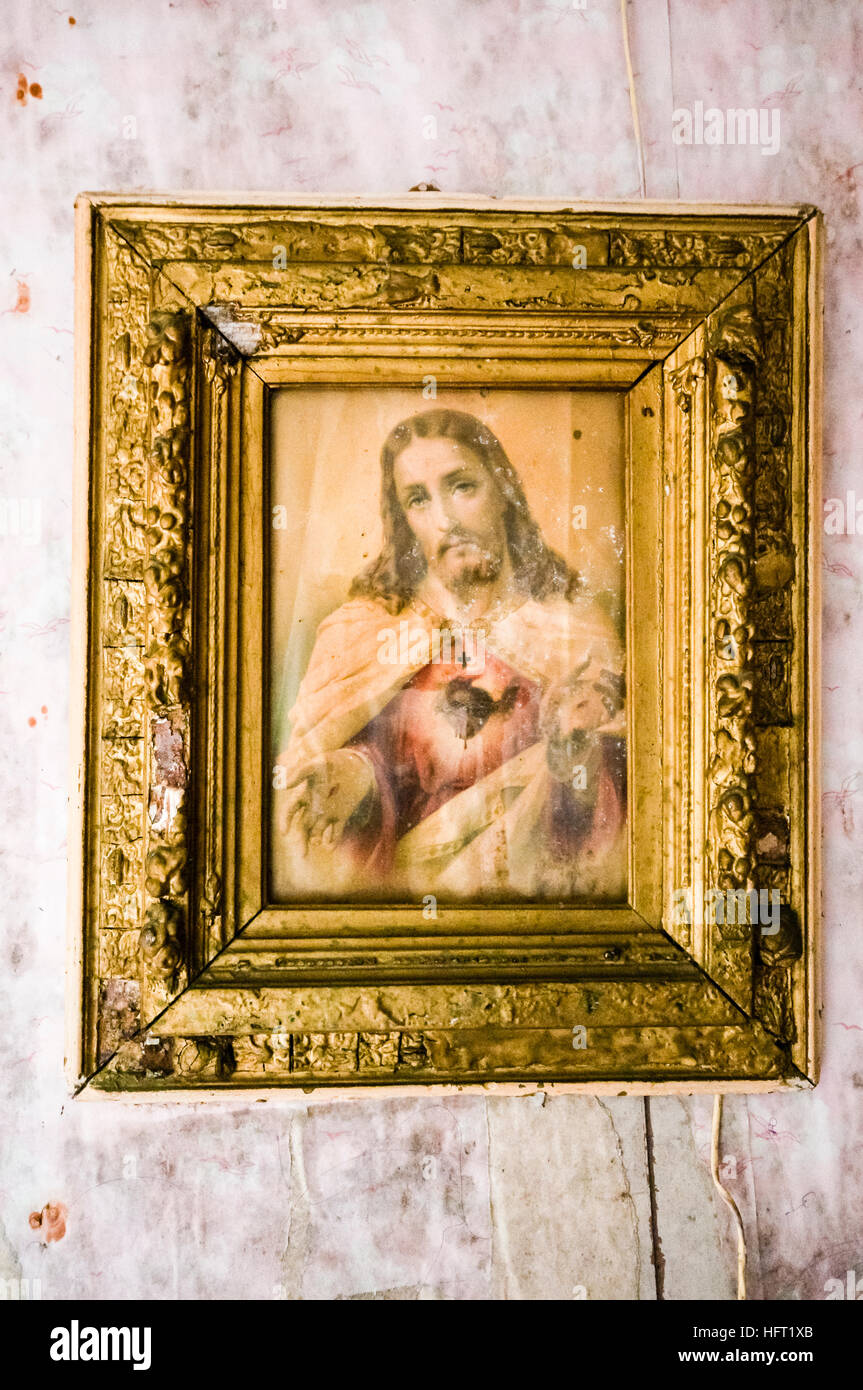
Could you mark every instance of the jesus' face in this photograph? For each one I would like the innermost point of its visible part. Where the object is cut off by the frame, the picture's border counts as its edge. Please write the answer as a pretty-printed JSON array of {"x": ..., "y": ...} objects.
[{"x": 455, "y": 510}]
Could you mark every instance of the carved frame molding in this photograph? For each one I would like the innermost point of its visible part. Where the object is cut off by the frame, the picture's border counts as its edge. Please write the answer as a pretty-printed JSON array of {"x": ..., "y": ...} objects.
[{"x": 187, "y": 315}]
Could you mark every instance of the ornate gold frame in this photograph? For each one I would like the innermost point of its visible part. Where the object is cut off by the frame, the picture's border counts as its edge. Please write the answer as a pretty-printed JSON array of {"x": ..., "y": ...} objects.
[{"x": 190, "y": 311}]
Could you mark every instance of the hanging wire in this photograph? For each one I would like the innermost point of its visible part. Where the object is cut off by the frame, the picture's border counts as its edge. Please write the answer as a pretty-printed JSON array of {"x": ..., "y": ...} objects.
[
  {"x": 728, "y": 1199},
  {"x": 624, "y": 18}
]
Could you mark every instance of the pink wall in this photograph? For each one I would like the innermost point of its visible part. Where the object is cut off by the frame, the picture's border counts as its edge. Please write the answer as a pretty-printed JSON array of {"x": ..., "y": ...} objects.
[{"x": 409, "y": 1198}]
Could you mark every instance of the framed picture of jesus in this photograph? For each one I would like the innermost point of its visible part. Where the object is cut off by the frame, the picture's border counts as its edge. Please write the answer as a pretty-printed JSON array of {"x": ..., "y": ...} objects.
[
  {"x": 457, "y": 729},
  {"x": 446, "y": 646}
]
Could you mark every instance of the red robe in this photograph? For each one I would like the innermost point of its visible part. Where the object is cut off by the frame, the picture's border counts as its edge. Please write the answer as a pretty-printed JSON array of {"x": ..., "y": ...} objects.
[
  {"x": 471, "y": 795},
  {"x": 421, "y": 760}
]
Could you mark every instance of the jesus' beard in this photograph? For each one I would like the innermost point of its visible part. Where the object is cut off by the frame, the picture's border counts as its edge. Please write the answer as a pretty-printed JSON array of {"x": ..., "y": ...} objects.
[{"x": 472, "y": 571}]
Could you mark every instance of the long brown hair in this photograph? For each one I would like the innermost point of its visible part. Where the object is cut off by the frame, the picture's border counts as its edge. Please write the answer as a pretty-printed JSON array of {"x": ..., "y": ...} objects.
[{"x": 394, "y": 576}]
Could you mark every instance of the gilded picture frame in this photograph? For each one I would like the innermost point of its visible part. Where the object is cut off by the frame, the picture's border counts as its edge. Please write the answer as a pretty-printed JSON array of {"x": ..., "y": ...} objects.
[{"x": 191, "y": 312}]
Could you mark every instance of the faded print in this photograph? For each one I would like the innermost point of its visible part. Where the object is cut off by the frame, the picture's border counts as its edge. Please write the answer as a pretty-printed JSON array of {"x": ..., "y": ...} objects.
[{"x": 457, "y": 731}]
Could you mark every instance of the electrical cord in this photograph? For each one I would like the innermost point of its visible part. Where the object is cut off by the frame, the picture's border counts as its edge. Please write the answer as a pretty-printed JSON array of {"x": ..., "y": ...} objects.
[
  {"x": 632, "y": 98},
  {"x": 727, "y": 1198}
]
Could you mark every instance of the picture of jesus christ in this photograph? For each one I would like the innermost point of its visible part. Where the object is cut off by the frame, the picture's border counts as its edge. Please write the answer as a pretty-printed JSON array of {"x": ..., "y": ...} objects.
[{"x": 458, "y": 732}]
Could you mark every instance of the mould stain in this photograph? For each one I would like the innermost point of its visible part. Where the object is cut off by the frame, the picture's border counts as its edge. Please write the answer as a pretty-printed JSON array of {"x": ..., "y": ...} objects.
[
  {"x": 50, "y": 1221},
  {"x": 25, "y": 89},
  {"x": 22, "y": 299}
]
